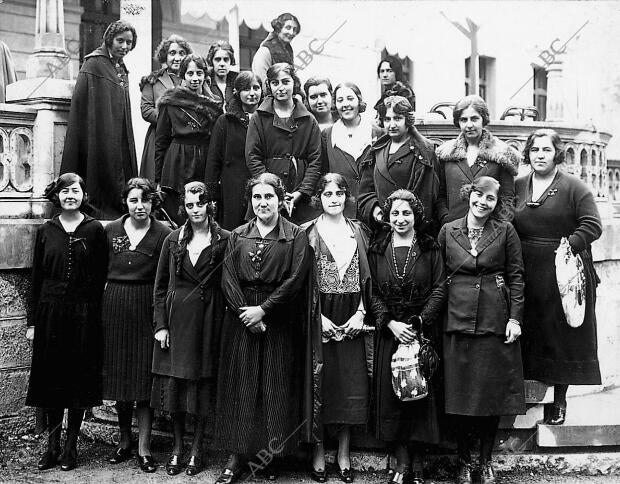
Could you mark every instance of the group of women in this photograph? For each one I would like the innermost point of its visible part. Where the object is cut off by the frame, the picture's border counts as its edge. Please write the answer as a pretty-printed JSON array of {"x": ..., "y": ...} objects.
[{"x": 272, "y": 320}]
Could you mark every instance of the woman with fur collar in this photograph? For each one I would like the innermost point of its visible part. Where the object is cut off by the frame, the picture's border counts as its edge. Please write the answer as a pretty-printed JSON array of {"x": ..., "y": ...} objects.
[
  {"x": 474, "y": 153},
  {"x": 227, "y": 172},
  {"x": 186, "y": 115}
]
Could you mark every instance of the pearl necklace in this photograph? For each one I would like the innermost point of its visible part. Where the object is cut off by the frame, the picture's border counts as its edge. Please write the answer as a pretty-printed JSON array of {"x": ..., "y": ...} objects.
[{"x": 410, "y": 252}]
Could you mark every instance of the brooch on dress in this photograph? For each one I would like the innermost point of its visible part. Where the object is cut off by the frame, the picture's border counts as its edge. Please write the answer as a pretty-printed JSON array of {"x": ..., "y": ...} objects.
[
  {"x": 256, "y": 256},
  {"x": 120, "y": 243}
]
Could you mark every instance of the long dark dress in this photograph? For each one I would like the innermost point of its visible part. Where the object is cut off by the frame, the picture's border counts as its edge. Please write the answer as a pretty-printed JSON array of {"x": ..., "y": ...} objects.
[
  {"x": 68, "y": 275},
  {"x": 260, "y": 378},
  {"x": 184, "y": 123},
  {"x": 188, "y": 302},
  {"x": 345, "y": 376},
  {"x": 483, "y": 375},
  {"x": 127, "y": 312},
  {"x": 99, "y": 145},
  {"x": 422, "y": 292},
  {"x": 227, "y": 172},
  {"x": 553, "y": 352}
]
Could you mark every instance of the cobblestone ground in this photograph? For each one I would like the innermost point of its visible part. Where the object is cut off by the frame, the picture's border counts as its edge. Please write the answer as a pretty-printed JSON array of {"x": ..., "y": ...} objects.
[{"x": 19, "y": 454}]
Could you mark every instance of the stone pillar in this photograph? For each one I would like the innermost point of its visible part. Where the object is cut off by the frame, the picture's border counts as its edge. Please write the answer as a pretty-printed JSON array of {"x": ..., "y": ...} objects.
[
  {"x": 556, "y": 98},
  {"x": 49, "y": 57},
  {"x": 233, "y": 33}
]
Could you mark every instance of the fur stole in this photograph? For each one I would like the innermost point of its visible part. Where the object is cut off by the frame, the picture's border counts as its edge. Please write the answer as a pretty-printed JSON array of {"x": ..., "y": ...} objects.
[
  {"x": 492, "y": 150},
  {"x": 185, "y": 98}
]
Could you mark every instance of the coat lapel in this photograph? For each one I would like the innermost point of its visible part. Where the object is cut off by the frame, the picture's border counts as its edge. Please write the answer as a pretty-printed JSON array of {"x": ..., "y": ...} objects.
[
  {"x": 489, "y": 234},
  {"x": 381, "y": 163}
]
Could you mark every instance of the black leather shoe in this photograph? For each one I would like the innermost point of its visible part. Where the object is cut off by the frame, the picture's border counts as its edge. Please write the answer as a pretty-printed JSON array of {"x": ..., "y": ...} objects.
[
  {"x": 50, "y": 459},
  {"x": 487, "y": 474},
  {"x": 463, "y": 475},
  {"x": 319, "y": 476},
  {"x": 227, "y": 476},
  {"x": 399, "y": 477},
  {"x": 120, "y": 455},
  {"x": 345, "y": 475},
  {"x": 68, "y": 460},
  {"x": 416, "y": 477},
  {"x": 173, "y": 466},
  {"x": 146, "y": 463},
  {"x": 194, "y": 466},
  {"x": 558, "y": 415}
]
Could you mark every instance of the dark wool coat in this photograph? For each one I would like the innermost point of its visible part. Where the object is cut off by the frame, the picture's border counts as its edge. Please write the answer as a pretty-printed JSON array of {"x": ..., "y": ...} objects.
[
  {"x": 225, "y": 97},
  {"x": 271, "y": 144},
  {"x": 553, "y": 352},
  {"x": 377, "y": 183},
  {"x": 153, "y": 87},
  {"x": 484, "y": 291},
  {"x": 99, "y": 145},
  {"x": 68, "y": 276},
  {"x": 189, "y": 303},
  {"x": 227, "y": 172},
  {"x": 184, "y": 123},
  {"x": 495, "y": 159}
]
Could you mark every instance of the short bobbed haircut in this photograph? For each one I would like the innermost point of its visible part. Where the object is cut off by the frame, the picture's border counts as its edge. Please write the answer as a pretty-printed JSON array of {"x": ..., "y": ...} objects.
[
  {"x": 317, "y": 81},
  {"x": 482, "y": 184},
  {"x": 200, "y": 62},
  {"x": 275, "y": 70},
  {"x": 414, "y": 202},
  {"x": 341, "y": 183},
  {"x": 265, "y": 179},
  {"x": 63, "y": 181},
  {"x": 356, "y": 90},
  {"x": 149, "y": 191},
  {"x": 560, "y": 156},
  {"x": 278, "y": 22},
  {"x": 472, "y": 101},
  {"x": 395, "y": 64},
  {"x": 221, "y": 45},
  {"x": 243, "y": 82},
  {"x": 400, "y": 105},
  {"x": 116, "y": 28},
  {"x": 161, "y": 52},
  {"x": 204, "y": 196}
]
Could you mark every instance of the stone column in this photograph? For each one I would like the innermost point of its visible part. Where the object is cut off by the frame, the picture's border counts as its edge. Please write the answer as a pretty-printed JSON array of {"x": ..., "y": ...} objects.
[
  {"x": 49, "y": 57},
  {"x": 556, "y": 97}
]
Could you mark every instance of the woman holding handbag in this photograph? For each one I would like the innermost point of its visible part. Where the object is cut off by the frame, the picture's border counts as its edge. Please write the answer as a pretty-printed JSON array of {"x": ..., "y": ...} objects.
[
  {"x": 482, "y": 355},
  {"x": 408, "y": 284},
  {"x": 552, "y": 205},
  {"x": 188, "y": 310}
]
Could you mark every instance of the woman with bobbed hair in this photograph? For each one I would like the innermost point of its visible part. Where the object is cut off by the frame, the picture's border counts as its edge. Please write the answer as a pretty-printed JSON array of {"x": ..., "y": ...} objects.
[
  {"x": 318, "y": 100},
  {"x": 552, "y": 205},
  {"x": 342, "y": 274},
  {"x": 188, "y": 310},
  {"x": 185, "y": 119},
  {"x": 393, "y": 83},
  {"x": 408, "y": 281},
  {"x": 227, "y": 172},
  {"x": 347, "y": 142},
  {"x": 481, "y": 351},
  {"x": 134, "y": 243},
  {"x": 99, "y": 141},
  {"x": 262, "y": 384},
  {"x": 475, "y": 153},
  {"x": 285, "y": 139},
  {"x": 169, "y": 53},
  {"x": 64, "y": 317},
  {"x": 220, "y": 58},
  {"x": 402, "y": 158},
  {"x": 276, "y": 47}
]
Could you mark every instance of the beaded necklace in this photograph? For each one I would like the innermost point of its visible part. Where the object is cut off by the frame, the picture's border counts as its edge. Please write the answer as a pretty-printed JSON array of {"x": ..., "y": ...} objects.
[{"x": 410, "y": 252}]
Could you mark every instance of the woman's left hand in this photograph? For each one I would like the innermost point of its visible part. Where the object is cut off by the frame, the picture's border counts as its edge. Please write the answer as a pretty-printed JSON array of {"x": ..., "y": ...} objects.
[
  {"x": 251, "y": 315},
  {"x": 513, "y": 331},
  {"x": 354, "y": 325}
]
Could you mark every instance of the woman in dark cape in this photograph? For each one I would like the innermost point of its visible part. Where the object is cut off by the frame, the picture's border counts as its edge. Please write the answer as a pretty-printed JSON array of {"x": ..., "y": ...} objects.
[{"x": 99, "y": 145}]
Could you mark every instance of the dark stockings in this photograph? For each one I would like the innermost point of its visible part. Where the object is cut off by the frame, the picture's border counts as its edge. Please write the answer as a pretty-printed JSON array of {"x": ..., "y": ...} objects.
[
  {"x": 178, "y": 422},
  {"x": 74, "y": 422},
  {"x": 124, "y": 410},
  {"x": 54, "y": 426},
  {"x": 483, "y": 428},
  {"x": 559, "y": 395},
  {"x": 145, "y": 421}
]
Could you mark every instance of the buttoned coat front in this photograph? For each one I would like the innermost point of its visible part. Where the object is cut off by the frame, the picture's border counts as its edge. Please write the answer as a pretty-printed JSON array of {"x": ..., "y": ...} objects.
[{"x": 485, "y": 285}]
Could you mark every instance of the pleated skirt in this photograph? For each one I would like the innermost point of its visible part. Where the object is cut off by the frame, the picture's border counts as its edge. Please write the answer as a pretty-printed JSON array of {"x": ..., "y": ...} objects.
[{"x": 127, "y": 316}]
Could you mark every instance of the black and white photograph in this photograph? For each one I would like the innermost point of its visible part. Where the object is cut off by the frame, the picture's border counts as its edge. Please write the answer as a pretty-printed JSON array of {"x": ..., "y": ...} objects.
[{"x": 371, "y": 241}]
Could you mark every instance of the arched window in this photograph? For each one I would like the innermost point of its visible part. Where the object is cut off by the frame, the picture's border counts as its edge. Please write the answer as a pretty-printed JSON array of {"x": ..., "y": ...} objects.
[
  {"x": 540, "y": 91},
  {"x": 583, "y": 159}
]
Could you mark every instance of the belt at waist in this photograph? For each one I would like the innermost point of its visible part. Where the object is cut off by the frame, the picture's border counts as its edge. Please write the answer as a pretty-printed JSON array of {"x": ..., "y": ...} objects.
[
  {"x": 62, "y": 289},
  {"x": 202, "y": 141},
  {"x": 541, "y": 240},
  {"x": 259, "y": 287}
]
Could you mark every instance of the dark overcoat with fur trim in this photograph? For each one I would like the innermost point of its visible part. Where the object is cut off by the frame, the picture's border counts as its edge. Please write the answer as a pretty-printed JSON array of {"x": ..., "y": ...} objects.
[
  {"x": 184, "y": 124},
  {"x": 495, "y": 159},
  {"x": 227, "y": 172},
  {"x": 99, "y": 145}
]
